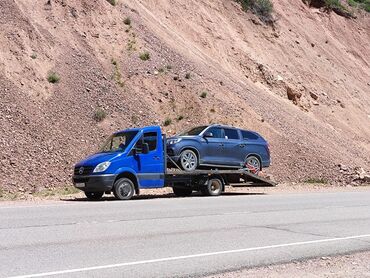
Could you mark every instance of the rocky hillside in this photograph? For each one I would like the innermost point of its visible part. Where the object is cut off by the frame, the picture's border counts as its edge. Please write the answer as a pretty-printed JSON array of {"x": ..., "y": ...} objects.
[{"x": 73, "y": 71}]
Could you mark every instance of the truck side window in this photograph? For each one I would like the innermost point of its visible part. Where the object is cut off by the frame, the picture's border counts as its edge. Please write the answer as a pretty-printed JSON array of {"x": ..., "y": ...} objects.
[{"x": 151, "y": 139}]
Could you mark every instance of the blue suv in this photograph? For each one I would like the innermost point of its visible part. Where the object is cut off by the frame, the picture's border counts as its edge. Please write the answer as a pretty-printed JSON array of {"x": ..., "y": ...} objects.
[{"x": 218, "y": 146}]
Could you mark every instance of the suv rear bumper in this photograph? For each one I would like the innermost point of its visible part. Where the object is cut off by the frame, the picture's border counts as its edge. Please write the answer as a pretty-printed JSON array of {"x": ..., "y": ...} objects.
[{"x": 94, "y": 183}]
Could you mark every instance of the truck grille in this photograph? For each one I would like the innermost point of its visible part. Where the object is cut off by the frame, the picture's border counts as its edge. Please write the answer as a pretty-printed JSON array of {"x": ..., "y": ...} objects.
[{"x": 86, "y": 170}]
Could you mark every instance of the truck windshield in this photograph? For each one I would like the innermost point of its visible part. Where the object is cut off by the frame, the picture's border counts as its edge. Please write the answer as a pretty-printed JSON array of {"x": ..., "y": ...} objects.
[
  {"x": 118, "y": 142},
  {"x": 194, "y": 131}
]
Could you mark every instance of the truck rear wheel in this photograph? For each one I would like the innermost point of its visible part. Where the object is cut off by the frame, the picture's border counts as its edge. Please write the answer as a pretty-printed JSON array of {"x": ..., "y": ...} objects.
[
  {"x": 182, "y": 191},
  {"x": 124, "y": 189},
  {"x": 212, "y": 188},
  {"x": 94, "y": 196}
]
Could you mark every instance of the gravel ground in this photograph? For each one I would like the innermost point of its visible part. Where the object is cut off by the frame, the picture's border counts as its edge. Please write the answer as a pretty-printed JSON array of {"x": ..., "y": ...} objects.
[{"x": 354, "y": 265}]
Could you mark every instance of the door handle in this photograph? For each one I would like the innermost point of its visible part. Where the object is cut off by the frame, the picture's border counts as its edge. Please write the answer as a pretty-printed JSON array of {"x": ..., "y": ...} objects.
[
  {"x": 156, "y": 157},
  {"x": 242, "y": 145},
  {"x": 221, "y": 144}
]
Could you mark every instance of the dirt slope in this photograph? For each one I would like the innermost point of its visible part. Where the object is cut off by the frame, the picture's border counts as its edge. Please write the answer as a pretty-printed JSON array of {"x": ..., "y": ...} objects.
[{"x": 244, "y": 66}]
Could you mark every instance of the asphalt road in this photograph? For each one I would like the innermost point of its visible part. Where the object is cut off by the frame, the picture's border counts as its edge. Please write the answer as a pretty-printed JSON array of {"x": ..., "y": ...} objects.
[{"x": 178, "y": 236}]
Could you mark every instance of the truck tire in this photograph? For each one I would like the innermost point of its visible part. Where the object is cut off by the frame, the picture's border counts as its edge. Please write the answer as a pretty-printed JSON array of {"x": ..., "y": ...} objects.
[
  {"x": 123, "y": 189},
  {"x": 212, "y": 188},
  {"x": 94, "y": 196},
  {"x": 182, "y": 191}
]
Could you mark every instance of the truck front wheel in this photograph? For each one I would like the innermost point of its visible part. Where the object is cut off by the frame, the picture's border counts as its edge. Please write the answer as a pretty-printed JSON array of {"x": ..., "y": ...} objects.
[
  {"x": 124, "y": 189},
  {"x": 94, "y": 196},
  {"x": 182, "y": 191}
]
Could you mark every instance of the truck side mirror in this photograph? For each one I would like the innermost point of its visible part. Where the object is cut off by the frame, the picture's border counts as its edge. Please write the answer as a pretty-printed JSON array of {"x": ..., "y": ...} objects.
[{"x": 208, "y": 135}]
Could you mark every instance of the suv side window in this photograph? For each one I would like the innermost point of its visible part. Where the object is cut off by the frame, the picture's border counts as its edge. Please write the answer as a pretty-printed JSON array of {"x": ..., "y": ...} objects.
[
  {"x": 247, "y": 135},
  {"x": 216, "y": 131},
  {"x": 151, "y": 139},
  {"x": 231, "y": 133}
]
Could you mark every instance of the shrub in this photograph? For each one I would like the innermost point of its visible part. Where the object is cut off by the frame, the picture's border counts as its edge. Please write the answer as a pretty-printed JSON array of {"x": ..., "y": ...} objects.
[
  {"x": 167, "y": 122},
  {"x": 187, "y": 76},
  {"x": 203, "y": 95},
  {"x": 53, "y": 77},
  {"x": 113, "y": 2},
  {"x": 34, "y": 56},
  {"x": 262, "y": 8},
  {"x": 127, "y": 21},
  {"x": 180, "y": 118},
  {"x": 213, "y": 110},
  {"x": 363, "y": 4},
  {"x": 161, "y": 70},
  {"x": 316, "y": 180},
  {"x": 169, "y": 67},
  {"x": 145, "y": 56},
  {"x": 100, "y": 114}
]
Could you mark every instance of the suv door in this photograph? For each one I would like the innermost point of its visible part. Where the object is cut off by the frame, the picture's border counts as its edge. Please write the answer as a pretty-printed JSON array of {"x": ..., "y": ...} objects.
[
  {"x": 233, "y": 147},
  {"x": 213, "y": 147},
  {"x": 150, "y": 166}
]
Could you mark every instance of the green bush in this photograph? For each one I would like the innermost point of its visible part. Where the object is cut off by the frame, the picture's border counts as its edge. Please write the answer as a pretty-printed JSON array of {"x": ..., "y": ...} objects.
[
  {"x": 145, "y": 56},
  {"x": 180, "y": 118},
  {"x": 127, "y": 21},
  {"x": 203, "y": 95},
  {"x": 34, "y": 56},
  {"x": 187, "y": 76},
  {"x": 113, "y": 2},
  {"x": 316, "y": 180},
  {"x": 262, "y": 8},
  {"x": 53, "y": 77},
  {"x": 100, "y": 115},
  {"x": 167, "y": 122},
  {"x": 363, "y": 4}
]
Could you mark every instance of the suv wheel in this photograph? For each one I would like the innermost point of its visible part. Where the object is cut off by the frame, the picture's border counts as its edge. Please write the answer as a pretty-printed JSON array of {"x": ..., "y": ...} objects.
[
  {"x": 188, "y": 160},
  {"x": 253, "y": 164}
]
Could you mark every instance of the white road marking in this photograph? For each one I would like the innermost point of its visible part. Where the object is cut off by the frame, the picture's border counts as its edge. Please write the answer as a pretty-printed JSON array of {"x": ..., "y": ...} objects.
[{"x": 60, "y": 272}]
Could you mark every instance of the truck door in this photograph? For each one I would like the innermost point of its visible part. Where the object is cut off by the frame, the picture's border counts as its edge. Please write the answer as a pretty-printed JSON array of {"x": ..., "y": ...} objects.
[{"x": 150, "y": 166}]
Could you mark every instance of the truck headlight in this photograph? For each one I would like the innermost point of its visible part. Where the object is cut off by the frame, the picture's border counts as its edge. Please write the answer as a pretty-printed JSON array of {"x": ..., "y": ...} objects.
[
  {"x": 173, "y": 141},
  {"x": 101, "y": 167}
]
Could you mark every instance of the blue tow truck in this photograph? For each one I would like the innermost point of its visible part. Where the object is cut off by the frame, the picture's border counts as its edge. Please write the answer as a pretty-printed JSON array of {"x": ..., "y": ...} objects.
[{"x": 136, "y": 158}]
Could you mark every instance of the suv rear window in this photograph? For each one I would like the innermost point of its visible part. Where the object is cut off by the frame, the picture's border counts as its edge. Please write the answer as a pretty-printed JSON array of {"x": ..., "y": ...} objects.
[
  {"x": 231, "y": 133},
  {"x": 247, "y": 135}
]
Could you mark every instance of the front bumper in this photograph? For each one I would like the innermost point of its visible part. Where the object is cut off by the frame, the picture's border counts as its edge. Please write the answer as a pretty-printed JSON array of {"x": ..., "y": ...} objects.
[{"x": 94, "y": 183}]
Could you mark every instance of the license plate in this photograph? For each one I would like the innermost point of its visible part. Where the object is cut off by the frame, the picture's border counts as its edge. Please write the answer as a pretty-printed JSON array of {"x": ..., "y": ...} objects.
[{"x": 80, "y": 185}]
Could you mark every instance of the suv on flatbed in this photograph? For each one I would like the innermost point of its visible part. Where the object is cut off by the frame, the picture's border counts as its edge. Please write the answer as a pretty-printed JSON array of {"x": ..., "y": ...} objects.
[{"x": 219, "y": 146}]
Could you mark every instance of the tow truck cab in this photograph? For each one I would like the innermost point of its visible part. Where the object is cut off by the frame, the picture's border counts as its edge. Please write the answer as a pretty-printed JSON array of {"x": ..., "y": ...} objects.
[{"x": 136, "y": 154}]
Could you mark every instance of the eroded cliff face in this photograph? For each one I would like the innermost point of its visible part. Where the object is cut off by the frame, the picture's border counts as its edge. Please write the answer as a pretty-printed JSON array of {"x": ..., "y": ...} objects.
[{"x": 303, "y": 83}]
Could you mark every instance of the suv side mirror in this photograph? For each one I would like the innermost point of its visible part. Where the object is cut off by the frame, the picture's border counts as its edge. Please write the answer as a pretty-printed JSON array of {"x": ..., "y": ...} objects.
[{"x": 208, "y": 135}]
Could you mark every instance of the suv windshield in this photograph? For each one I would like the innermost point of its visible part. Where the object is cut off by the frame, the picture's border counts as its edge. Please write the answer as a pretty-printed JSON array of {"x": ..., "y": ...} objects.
[
  {"x": 194, "y": 131},
  {"x": 118, "y": 142}
]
